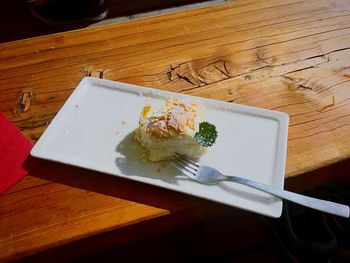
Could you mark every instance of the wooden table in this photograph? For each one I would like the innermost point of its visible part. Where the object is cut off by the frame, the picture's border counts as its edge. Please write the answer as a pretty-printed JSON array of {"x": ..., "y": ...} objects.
[{"x": 291, "y": 56}]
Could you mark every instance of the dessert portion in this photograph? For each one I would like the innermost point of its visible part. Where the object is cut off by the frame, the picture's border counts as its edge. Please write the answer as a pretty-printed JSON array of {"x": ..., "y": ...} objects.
[{"x": 170, "y": 128}]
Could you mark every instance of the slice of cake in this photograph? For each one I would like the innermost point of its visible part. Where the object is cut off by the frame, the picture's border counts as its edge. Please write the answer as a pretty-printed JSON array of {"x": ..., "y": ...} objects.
[{"x": 170, "y": 128}]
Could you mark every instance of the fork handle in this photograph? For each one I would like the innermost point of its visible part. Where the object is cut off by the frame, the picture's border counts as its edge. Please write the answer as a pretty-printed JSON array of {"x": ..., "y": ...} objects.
[{"x": 314, "y": 203}]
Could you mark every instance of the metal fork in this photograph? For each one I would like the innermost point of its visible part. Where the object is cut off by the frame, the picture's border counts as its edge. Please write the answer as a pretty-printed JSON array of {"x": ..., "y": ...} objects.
[{"x": 208, "y": 175}]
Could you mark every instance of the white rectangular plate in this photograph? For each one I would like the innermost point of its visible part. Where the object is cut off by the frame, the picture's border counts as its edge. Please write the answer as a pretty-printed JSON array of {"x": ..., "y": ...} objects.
[{"x": 93, "y": 130}]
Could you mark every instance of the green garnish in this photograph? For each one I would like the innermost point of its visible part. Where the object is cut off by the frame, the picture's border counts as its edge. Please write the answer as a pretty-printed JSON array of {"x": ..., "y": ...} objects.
[{"x": 207, "y": 134}]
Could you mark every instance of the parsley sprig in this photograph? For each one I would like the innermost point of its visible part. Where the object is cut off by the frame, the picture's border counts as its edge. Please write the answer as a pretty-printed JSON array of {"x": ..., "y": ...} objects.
[{"x": 206, "y": 136}]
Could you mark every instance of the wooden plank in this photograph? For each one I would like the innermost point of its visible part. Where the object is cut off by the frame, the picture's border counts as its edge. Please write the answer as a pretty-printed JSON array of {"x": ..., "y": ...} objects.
[
  {"x": 294, "y": 54},
  {"x": 290, "y": 56},
  {"x": 59, "y": 204},
  {"x": 17, "y": 13}
]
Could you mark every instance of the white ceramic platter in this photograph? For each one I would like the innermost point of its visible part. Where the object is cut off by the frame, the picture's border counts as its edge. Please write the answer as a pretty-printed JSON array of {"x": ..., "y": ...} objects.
[{"x": 93, "y": 130}]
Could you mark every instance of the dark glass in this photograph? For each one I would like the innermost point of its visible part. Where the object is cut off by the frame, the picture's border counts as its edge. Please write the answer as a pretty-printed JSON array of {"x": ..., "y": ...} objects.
[{"x": 65, "y": 11}]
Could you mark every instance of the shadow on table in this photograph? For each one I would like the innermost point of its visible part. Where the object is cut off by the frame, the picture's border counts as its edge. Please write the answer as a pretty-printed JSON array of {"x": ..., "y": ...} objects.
[
  {"x": 109, "y": 185},
  {"x": 130, "y": 164},
  {"x": 115, "y": 186}
]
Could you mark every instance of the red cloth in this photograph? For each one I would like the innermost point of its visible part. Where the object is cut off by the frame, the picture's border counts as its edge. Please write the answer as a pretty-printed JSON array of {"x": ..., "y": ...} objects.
[{"x": 15, "y": 161}]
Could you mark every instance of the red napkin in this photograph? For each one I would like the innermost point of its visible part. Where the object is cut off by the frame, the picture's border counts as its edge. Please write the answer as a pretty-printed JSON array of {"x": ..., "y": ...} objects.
[{"x": 15, "y": 161}]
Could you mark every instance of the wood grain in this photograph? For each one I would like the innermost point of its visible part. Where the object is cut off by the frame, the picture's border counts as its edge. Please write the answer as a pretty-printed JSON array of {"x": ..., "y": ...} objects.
[
  {"x": 291, "y": 56},
  {"x": 17, "y": 13}
]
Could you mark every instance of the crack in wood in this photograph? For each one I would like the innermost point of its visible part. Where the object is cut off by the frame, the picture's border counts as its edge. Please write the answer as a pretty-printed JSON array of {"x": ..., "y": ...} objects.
[
  {"x": 220, "y": 70},
  {"x": 259, "y": 57},
  {"x": 326, "y": 58},
  {"x": 186, "y": 79},
  {"x": 25, "y": 100},
  {"x": 226, "y": 70},
  {"x": 302, "y": 69},
  {"x": 328, "y": 53},
  {"x": 202, "y": 80},
  {"x": 223, "y": 72},
  {"x": 89, "y": 71},
  {"x": 199, "y": 76},
  {"x": 307, "y": 84},
  {"x": 303, "y": 86},
  {"x": 294, "y": 83},
  {"x": 295, "y": 86}
]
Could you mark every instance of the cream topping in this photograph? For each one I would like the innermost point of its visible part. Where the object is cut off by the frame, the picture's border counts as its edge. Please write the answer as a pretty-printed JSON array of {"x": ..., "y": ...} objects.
[{"x": 174, "y": 118}]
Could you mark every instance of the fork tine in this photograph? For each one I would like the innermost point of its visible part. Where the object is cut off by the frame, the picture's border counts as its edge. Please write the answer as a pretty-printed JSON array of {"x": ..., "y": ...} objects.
[
  {"x": 184, "y": 170},
  {"x": 186, "y": 165},
  {"x": 186, "y": 160}
]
